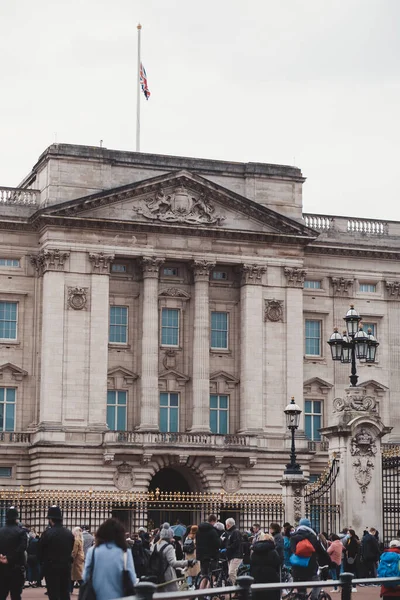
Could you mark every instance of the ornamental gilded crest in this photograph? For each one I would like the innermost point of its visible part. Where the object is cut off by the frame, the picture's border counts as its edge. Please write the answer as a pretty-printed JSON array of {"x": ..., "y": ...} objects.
[
  {"x": 77, "y": 298},
  {"x": 179, "y": 207},
  {"x": 363, "y": 448}
]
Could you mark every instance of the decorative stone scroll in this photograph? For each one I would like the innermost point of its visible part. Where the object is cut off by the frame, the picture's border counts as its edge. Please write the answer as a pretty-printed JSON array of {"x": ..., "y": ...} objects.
[
  {"x": 342, "y": 286},
  {"x": 363, "y": 448},
  {"x": 252, "y": 274},
  {"x": 49, "y": 260},
  {"x": 273, "y": 311},
  {"x": 101, "y": 262},
  {"x": 151, "y": 266},
  {"x": 174, "y": 293},
  {"x": 355, "y": 399},
  {"x": 181, "y": 206},
  {"x": 201, "y": 269},
  {"x": 124, "y": 477},
  {"x": 393, "y": 290},
  {"x": 231, "y": 479},
  {"x": 295, "y": 276},
  {"x": 77, "y": 298}
]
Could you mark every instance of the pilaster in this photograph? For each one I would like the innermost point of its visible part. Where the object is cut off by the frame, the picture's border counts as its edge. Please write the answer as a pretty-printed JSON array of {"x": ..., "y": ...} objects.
[
  {"x": 293, "y": 497},
  {"x": 251, "y": 349},
  {"x": 201, "y": 347},
  {"x": 294, "y": 331}
]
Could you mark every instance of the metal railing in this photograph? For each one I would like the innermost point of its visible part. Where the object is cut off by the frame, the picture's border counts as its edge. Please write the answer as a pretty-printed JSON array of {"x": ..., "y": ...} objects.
[
  {"x": 246, "y": 588},
  {"x": 19, "y": 196}
]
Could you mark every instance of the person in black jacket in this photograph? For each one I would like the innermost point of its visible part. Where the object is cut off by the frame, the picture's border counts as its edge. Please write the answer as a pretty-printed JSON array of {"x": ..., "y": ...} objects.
[
  {"x": 265, "y": 565},
  {"x": 370, "y": 552},
  {"x": 208, "y": 545},
  {"x": 54, "y": 553},
  {"x": 13, "y": 544},
  {"x": 318, "y": 557},
  {"x": 275, "y": 530},
  {"x": 234, "y": 550}
]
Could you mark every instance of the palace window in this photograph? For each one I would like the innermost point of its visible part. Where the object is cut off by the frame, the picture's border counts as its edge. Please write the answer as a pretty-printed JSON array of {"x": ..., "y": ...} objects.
[
  {"x": 169, "y": 412},
  {"x": 219, "y": 414},
  {"x": 9, "y": 262},
  {"x": 116, "y": 410},
  {"x": 170, "y": 327},
  {"x": 367, "y": 287},
  {"x": 219, "y": 330},
  {"x": 312, "y": 284},
  {"x": 5, "y": 472},
  {"x": 8, "y": 320},
  {"x": 7, "y": 409},
  {"x": 219, "y": 275},
  {"x": 313, "y": 419},
  {"x": 313, "y": 337},
  {"x": 170, "y": 271},
  {"x": 118, "y": 333},
  {"x": 118, "y": 268},
  {"x": 371, "y": 326}
]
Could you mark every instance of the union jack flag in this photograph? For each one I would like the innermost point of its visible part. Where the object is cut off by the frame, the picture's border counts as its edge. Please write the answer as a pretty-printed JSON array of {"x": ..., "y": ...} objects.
[{"x": 143, "y": 81}]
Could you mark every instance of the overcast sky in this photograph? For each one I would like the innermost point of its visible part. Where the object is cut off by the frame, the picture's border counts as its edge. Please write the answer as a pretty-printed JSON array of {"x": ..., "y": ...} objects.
[{"x": 315, "y": 83}]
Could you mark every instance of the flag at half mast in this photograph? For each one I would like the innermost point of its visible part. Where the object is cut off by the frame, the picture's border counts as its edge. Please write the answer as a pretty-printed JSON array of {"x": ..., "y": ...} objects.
[{"x": 143, "y": 81}]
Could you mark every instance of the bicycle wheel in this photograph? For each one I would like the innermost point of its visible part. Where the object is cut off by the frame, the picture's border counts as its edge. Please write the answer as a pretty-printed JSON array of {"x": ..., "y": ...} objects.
[
  {"x": 203, "y": 582},
  {"x": 324, "y": 595}
]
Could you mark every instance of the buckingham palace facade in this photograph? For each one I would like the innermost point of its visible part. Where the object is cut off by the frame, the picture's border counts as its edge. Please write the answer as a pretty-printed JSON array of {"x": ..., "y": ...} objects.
[{"x": 157, "y": 314}]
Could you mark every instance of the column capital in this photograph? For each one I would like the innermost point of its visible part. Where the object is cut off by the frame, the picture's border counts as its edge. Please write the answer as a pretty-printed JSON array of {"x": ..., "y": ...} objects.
[
  {"x": 201, "y": 269},
  {"x": 49, "y": 260},
  {"x": 252, "y": 274},
  {"x": 101, "y": 262},
  {"x": 295, "y": 276},
  {"x": 342, "y": 286},
  {"x": 151, "y": 266}
]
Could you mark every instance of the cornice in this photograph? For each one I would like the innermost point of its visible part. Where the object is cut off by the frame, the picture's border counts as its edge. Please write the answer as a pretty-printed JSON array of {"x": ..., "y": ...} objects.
[{"x": 360, "y": 251}]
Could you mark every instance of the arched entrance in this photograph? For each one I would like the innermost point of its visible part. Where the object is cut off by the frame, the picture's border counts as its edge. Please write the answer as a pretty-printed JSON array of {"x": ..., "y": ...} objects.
[{"x": 167, "y": 507}]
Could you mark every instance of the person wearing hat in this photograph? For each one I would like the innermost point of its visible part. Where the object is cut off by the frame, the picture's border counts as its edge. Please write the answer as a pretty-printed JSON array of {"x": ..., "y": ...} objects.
[
  {"x": 389, "y": 566},
  {"x": 318, "y": 556},
  {"x": 55, "y": 554},
  {"x": 13, "y": 544}
]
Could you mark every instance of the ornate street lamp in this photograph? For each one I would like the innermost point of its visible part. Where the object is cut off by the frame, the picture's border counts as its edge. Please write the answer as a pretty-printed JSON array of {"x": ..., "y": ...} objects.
[
  {"x": 293, "y": 412},
  {"x": 354, "y": 343}
]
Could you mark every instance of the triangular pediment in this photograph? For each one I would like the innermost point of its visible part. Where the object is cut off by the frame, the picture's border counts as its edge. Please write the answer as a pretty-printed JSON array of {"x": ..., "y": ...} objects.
[
  {"x": 316, "y": 384},
  {"x": 180, "y": 199},
  {"x": 15, "y": 372},
  {"x": 173, "y": 374},
  {"x": 223, "y": 375},
  {"x": 379, "y": 388},
  {"x": 120, "y": 377}
]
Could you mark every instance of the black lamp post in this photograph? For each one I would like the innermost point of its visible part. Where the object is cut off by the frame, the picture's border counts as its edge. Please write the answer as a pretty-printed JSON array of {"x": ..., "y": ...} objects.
[
  {"x": 354, "y": 343},
  {"x": 292, "y": 412}
]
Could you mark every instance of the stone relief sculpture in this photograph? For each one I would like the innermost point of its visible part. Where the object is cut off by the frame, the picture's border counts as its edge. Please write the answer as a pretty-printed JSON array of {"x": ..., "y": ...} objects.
[
  {"x": 179, "y": 207},
  {"x": 363, "y": 448},
  {"x": 124, "y": 477},
  {"x": 231, "y": 479},
  {"x": 77, "y": 297},
  {"x": 273, "y": 311},
  {"x": 355, "y": 399}
]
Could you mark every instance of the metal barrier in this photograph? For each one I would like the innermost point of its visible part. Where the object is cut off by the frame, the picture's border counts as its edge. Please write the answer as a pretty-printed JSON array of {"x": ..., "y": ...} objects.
[{"x": 246, "y": 588}]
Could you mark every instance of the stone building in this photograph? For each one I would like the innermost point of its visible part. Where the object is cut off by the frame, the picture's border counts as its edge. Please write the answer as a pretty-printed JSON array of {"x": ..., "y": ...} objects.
[{"x": 157, "y": 313}]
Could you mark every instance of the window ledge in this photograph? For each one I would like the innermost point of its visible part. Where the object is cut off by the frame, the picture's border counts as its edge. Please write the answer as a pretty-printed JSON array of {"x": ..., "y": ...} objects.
[
  {"x": 167, "y": 347},
  {"x": 114, "y": 346},
  {"x": 5, "y": 342},
  {"x": 314, "y": 359},
  {"x": 220, "y": 351}
]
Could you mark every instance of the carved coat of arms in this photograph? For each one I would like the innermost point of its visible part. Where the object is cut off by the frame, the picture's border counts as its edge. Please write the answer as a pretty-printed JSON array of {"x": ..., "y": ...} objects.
[
  {"x": 363, "y": 448},
  {"x": 179, "y": 207}
]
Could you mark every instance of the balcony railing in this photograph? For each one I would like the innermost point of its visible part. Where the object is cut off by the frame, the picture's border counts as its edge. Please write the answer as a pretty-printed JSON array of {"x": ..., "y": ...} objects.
[
  {"x": 321, "y": 446},
  {"x": 369, "y": 227},
  {"x": 14, "y": 437},
  {"x": 12, "y": 196},
  {"x": 180, "y": 439}
]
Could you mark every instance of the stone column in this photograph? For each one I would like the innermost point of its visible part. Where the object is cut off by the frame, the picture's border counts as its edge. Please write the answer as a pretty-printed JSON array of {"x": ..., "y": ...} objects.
[
  {"x": 293, "y": 497},
  {"x": 99, "y": 319},
  {"x": 149, "y": 400},
  {"x": 294, "y": 332},
  {"x": 355, "y": 440},
  {"x": 251, "y": 349},
  {"x": 50, "y": 264},
  {"x": 201, "y": 348}
]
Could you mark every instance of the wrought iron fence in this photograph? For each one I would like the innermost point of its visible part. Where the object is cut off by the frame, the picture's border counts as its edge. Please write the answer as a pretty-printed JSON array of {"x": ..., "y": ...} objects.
[
  {"x": 320, "y": 500},
  {"x": 390, "y": 491},
  {"x": 136, "y": 509}
]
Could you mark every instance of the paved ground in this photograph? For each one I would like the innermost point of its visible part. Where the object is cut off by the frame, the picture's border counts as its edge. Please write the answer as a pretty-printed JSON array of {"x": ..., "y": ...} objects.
[{"x": 363, "y": 593}]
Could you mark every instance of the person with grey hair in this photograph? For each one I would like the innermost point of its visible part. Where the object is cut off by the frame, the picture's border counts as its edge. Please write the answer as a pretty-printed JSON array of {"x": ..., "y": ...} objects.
[
  {"x": 164, "y": 546},
  {"x": 234, "y": 551}
]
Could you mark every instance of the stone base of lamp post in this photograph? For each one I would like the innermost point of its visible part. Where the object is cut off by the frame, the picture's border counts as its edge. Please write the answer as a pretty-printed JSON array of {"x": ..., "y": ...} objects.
[
  {"x": 293, "y": 497},
  {"x": 355, "y": 440}
]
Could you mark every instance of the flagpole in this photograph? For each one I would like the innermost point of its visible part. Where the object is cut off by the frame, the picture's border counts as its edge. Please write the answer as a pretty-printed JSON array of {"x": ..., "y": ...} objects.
[{"x": 139, "y": 28}]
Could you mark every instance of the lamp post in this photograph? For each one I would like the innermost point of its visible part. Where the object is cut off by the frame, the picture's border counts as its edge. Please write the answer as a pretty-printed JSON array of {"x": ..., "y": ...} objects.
[
  {"x": 293, "y": 412},
  {"x": 354, "y": 343}
]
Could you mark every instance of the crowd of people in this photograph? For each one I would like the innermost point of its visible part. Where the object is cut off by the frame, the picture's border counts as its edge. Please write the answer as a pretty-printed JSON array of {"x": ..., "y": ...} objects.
[{"x": 114, "y": 561}]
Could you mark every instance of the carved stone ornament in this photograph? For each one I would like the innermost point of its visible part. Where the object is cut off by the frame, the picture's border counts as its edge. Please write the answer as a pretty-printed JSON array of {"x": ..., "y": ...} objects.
[
  {"x": 231, "y": 479},
  {"x": 108, "y": 457},
  {"x": 145, "y": 458},
  {"x": 49, "y": 260},
  {"x": 393, "y": 290},
  {"x": 364, "y": 449},
  {"x": 181, "y": 206},
  {"x": 169, "y": 360},
  {"x": 174, "y": 292},
  {"x": 101, "y": 262},
  {"x": 295, "y": 276},
  {"x": 124, "y": 478},
  {"x": 77, "y": 298},
  {"x": 151, "y": 266},
  {"x": 356, "y": 399},
  {"x": 201, "y": 269},
  {"x": 342, "y": 286},
  {"x": 252, "y": 274},
  {"x": 273, "y": 311},
  {"x": 297, "y": 502}
]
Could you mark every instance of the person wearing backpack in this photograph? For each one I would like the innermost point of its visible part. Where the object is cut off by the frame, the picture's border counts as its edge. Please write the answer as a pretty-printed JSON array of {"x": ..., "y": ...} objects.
[
  {"x": 389, "y": 566},
  {"x": 189, "y": 550},
  {"x": 307, "y": 554},
  {"x": 163, "y": 561}
]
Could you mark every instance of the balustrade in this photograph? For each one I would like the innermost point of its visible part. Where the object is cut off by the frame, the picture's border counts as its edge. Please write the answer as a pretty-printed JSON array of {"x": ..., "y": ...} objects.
[
  {"x": 15, "y": 437},
  {"x": 184, "y": 439},
  {"x": 373, "y": 227},
  {"x": 19, "y": 196}
]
